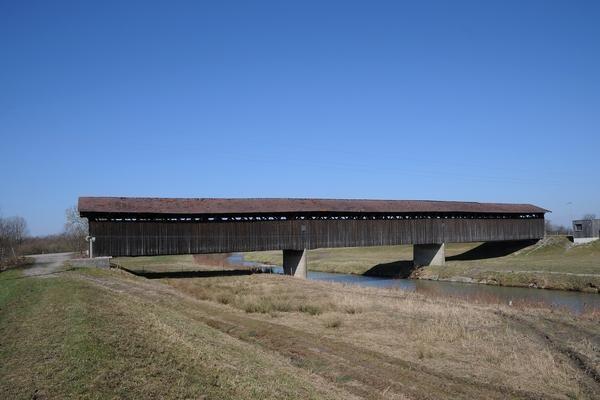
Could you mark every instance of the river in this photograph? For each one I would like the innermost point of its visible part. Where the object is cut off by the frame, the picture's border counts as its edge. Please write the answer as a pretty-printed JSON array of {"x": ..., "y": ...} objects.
[{"x": 577, "y": 302}]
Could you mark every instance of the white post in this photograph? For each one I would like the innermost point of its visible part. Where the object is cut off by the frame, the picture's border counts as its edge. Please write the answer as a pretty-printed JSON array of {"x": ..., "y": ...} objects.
[{"x": 90, "y": 240}]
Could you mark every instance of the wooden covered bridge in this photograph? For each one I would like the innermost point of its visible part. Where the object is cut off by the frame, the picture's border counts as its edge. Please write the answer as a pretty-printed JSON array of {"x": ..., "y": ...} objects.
[{"x": 159, "y": 226}]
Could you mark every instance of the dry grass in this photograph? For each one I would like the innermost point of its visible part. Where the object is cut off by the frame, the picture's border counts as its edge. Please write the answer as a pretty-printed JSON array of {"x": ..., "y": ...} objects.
[
  {"x": 474, "y": 342},
  {"x": 266, "y": 300},
  {"x": 158, "y": 263},
  {"x": 270, "y": 336},
  {"x": 333, "y": 321}
]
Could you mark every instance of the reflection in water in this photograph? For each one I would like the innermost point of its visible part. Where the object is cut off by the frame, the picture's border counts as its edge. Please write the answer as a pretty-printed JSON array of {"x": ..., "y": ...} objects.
[{"x": 574, "y": 301}]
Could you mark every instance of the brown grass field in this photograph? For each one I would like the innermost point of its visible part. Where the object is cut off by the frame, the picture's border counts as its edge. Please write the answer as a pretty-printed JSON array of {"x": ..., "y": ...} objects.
[{"x": 108, "y": 334}]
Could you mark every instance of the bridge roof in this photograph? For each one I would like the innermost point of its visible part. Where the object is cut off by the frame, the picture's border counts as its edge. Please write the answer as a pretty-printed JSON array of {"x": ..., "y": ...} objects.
[{"x": 213, "y": 206}]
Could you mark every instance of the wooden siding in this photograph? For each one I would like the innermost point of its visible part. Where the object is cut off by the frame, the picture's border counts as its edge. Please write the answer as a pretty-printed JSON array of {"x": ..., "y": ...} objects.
[{"x": 144, "y": 238}]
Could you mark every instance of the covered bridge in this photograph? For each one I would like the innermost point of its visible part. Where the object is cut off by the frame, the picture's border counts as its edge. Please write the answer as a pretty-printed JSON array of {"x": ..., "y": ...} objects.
[{"x": 158, "y": 226}]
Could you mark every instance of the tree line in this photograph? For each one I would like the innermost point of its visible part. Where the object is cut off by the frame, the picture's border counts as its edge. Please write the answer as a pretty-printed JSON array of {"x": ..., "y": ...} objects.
[
  {"x": 15, "y": 242},
  {"x": 13, "y": 231},
  {"x": 555, "y": 229}
]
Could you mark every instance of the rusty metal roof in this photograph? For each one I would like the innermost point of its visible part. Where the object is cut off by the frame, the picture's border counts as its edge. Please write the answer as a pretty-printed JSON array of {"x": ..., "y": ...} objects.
[{"x": 180, "y": 206}]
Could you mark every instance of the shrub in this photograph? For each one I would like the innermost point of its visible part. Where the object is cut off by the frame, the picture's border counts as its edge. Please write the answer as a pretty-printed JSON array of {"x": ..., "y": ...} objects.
[
  {"x": 224, "y": 298},
  {"x": 333, "y": 322},
  {"x": 310, "y": 309},
  {"x": 348, "y": 309}
]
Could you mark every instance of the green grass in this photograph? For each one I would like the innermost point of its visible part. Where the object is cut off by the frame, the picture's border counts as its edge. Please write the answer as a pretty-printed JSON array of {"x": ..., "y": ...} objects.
[
  {"x": 63, "y": 337},
  {"x": 553, "y": 263},
  {"x": 554, "y": 254}
]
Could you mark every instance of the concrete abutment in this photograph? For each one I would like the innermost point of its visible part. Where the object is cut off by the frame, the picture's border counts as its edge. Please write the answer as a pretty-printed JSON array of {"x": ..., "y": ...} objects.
[
  {"x": 294, "y": 263},
  {"x": 429, "y": 254}
]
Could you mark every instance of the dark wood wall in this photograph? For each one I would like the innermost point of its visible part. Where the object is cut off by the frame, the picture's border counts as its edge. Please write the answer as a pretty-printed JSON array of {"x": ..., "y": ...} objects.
[{"x": 140, "y": 238}]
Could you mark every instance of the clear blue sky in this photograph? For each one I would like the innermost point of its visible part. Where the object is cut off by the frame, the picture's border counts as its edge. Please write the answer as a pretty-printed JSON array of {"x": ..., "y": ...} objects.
[{"x": 482, "y": 101}]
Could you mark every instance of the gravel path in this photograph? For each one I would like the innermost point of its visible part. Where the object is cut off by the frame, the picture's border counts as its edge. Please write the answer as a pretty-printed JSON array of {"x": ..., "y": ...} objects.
[{"x": 47, "y": 264}]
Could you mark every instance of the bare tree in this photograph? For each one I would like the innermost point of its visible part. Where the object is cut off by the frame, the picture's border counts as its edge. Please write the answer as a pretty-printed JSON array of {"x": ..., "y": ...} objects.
[
  {"x": 553, "y": 229},
  {"x": 76, "y": 229},
  {"x": 12, "y": 233},
  {"x": 589, "y": 216},
  {"x": 3, "y": 240},
  {"x": 19, "y": 229}
]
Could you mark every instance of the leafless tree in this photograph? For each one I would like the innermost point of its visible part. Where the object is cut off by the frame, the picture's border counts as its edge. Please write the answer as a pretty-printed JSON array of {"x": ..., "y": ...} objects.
[
  {"x": 12, "y": 233},
  {"x": 553, "y": 229},
  {"x": 76, "y": 229},
  {"x": 3, "y": 240}
]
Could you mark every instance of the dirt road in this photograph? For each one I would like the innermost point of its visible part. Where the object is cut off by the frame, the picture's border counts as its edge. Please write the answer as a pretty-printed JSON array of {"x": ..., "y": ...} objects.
[{"x": 47, "y": 265}]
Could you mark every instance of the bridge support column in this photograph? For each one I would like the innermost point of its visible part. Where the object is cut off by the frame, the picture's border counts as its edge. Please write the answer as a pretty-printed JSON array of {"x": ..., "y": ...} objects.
[
  {"x": 294, "y": 263},
  {"x": 429, "y": 254}
]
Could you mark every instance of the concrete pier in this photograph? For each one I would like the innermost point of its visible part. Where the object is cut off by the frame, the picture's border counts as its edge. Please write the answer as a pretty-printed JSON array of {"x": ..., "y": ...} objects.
[
  {"x": 429, "y": 254},
  {"x": 294, "y": 263}
]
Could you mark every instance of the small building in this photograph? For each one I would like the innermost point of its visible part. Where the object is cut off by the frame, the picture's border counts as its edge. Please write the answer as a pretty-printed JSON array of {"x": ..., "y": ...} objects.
[{"x": 586, "y": 230}]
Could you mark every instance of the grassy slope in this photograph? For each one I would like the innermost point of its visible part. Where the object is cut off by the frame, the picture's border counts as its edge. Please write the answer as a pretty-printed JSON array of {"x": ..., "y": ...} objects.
[
  {"x": 553, "y": 263},
  {"x": 450, "y": 343},
  {"x": 158, "y": 263},
  {"x": 66, "y": 338},
  {"x": 107, "y": 334},
  {"x": 176, "y": 263}
]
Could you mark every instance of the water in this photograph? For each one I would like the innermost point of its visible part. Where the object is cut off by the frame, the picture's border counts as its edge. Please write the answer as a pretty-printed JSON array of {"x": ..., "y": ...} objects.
[{"x": 573, "y": 301}]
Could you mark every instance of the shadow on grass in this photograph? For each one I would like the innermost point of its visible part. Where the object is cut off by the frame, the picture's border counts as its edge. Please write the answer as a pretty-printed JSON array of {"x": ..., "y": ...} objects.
[
  {"x": 492, "y": 250},
  {"x": 396, "y": 269},
  {"x": 403, "y": 268},
  {"x": 191, "y": 274}
]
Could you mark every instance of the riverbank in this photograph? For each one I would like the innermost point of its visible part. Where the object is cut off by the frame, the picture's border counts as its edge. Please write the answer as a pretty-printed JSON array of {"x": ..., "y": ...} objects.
[
  {"x": 265, "y": 336},
  {"x": 552, "y": 263}
]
